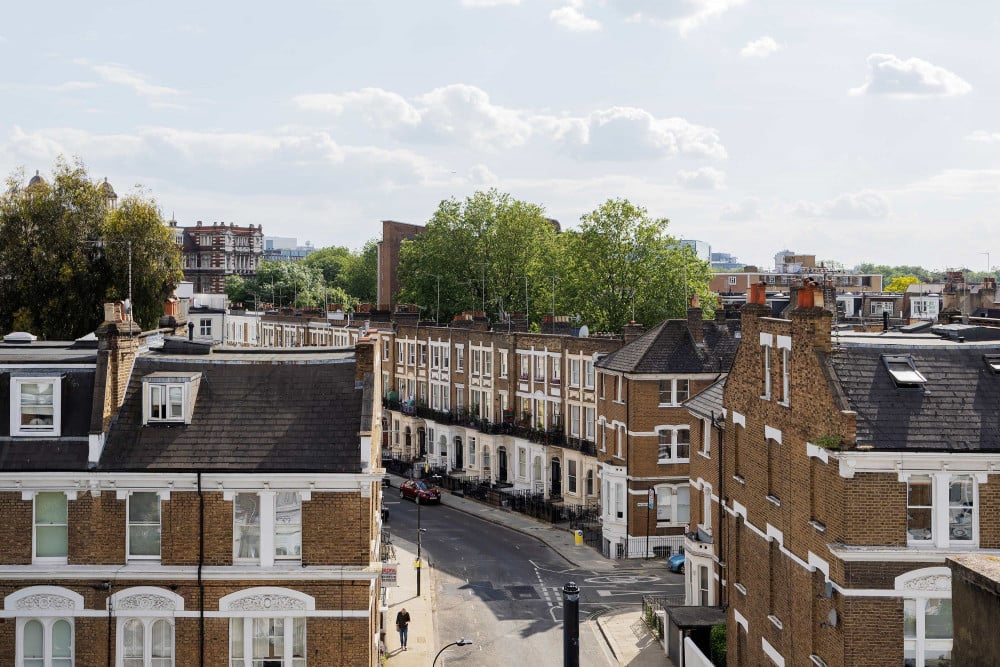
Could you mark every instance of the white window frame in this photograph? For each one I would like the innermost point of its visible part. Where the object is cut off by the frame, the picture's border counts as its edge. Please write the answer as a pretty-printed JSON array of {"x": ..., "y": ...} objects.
[
  {"x": 459, "y": 359},
  {"x": 205, "y": 326},
  {"x": 271, "y": 603},
  {"x": 574, "y": 372},
  {"x": 731, "y": 280},
  {"x": 35, "y": 558},
  {"x": 260, "y": 530},
  {"x": 147, "y": 623},
  {"x": 766, "y": 341},
  {"x": 287, "y": 557},
  {"x": 941, "y": 508},
  {"x": 487, "y": 363},
  {"x": 883, "y": 307},
  {"x": 666, "y": 497},
  {"x": 571, "y": 477},
  {"x": 588, "y": 374},
  {"x": 128, "y": 527},
  {"x": 589, "y": 419},
  {"x": 472, "y": 452},
  {"x": 503, "y": 363},
  {"x": 19, "y": 429},
  {"x": 477, "y": 362},
  {"x": 786, "y": 376},
  {"x": 673, "y": 432},
  {"x": 673, "y": 391},
  {"x": 47, "y": 622},
  {"x": 706, "y": 438},
  {"x": 574, "y": 421}
]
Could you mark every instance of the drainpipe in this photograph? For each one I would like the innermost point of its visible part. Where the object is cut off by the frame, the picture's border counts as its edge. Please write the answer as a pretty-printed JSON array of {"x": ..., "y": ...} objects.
[
  {"x": 723, "y": 597},
  {"x": 201, "y": 584}
]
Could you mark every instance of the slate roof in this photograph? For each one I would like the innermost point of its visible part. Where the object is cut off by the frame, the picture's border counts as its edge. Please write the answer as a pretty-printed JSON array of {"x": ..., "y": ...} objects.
[
  {"x": 69, "y": 451},
  {"x": 958, "y": 409},
  {"x": 260, "y": 413},
  {"x": 708, "y": 402},
  {"x": 669, "y": 348}
]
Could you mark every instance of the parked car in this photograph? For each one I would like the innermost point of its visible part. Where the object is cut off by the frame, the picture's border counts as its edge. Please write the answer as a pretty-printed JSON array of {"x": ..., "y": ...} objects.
[
  {"x": 419, "y": 491},
  {"x": 676, "y": 562}
]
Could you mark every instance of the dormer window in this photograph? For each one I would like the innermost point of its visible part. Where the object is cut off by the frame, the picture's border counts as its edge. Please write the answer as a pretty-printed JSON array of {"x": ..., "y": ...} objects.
[
  {"x": 168, "y": 398},
  {"x": 903, "y": 372},
  {"x": 35, "y": 406},
  {"x": 992, "y": 362}
]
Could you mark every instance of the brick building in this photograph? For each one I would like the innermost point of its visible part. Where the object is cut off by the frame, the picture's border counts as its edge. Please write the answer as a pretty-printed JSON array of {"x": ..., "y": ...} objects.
[
  {"x": 511, "y": 408},
  {"x": 210, "y": 253},
  {"x": 644, "y": 434},
  {"x": 852, "y": 467},
  {"x": 393, "y": 235},
  {"x": 186, "y": 506}
]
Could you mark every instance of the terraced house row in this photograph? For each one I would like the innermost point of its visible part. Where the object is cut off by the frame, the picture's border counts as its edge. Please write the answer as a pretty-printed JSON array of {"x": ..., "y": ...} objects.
[
  {"x": 187, "y": 505},
  {"x": 840, "y": 471}
]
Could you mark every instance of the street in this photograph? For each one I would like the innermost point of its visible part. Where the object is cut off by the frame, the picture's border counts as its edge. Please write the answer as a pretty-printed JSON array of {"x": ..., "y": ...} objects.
[{"x": 503, "y": 589}]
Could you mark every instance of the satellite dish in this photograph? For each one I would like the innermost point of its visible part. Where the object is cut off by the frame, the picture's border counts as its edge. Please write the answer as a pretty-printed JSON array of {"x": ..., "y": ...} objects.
[{"x": 584, "y": 331}]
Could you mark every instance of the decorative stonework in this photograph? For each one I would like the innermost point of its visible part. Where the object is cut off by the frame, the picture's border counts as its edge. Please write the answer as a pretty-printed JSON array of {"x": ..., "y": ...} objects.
[
  {"x": 935, "y": 582},
  {"x": 267, "y": 602},
  {"x": 147, "y": 602},
  {"x": 44, "y": 602}
]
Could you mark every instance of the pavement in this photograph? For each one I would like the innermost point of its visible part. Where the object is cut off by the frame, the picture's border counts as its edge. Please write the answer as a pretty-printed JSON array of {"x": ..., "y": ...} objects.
[{"x": 627, "y": 636}]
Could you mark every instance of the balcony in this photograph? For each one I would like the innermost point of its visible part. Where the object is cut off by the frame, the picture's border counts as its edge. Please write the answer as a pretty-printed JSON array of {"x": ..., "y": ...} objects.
[{"x": 581, "y": 445}]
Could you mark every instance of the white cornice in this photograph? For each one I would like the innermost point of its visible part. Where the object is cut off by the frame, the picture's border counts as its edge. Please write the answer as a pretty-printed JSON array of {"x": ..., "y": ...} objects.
[
  {"x": 854, "y": 461},
  {"x": 215, "y": 481},
  {"x": 147, "y": 572},
  {"x": 904, "y": 554}
]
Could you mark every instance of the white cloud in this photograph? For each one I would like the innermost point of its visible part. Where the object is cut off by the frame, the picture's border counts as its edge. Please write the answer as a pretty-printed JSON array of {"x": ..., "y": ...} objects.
[
  {"x": 706, "y": 178},
  {"x": 464, "y": 114},
  {"x": 913, "y": 77},
  {"x": 489, "y": 3},
  {"x": 760, "y": 48},
  {"x": 985, "y": 137},
  {"x": 573, "y": 20},
  {"x": 231, "y": 151},
  {"x": 379, "y": 108},
  {"x": 123, "y": 76},
  {"x": 481, "y": 175},
  {"x": 683, "y": 15},
  {"x": 748, "y": 209},
  {"x": 958, "y": 182},
  {"x": 69, "y": 86},
  {"x": 866, "y": 205}
]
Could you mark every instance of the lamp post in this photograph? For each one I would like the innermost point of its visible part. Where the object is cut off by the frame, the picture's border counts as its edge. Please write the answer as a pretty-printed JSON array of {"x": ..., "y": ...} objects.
[
  {"x": 420, "y": 563},
  {"x": 460, "y": 642}
]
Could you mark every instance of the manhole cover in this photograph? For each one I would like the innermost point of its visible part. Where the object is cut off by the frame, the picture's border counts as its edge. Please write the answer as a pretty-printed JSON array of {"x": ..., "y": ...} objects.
[{"x": 523, "y": 592}]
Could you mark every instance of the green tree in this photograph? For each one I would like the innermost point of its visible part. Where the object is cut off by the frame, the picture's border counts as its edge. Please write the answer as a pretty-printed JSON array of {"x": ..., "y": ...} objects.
[
  {"x": 889, "y": 273},
  {"x": 360, "y": 276},
  {"x": 621, "y": 265},
  {"x": 900, "y": 283},
  {"x": 478, "y": 254},
  {"x": 136, "y": 228},
  {"x": 283, "y": 284},
  {"x": 62, "y": 253},
  {"x": 332, "y": 262}
]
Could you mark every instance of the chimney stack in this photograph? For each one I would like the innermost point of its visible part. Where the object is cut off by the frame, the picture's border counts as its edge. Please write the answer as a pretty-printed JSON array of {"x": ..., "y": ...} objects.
[
  {"x": 117, "y": 344},
  {"x": 694, "y": 320},
  {"x": 631, "y": 331}
]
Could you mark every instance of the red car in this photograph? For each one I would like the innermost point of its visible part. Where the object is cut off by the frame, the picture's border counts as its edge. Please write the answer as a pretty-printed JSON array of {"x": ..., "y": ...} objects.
[{"x": 419, "y": 491}]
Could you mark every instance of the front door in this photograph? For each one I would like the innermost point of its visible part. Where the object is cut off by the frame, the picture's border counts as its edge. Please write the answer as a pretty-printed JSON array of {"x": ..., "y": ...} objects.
[
  {"x": 422, "y": 440},
  {"x": 502, "y": 464},
  {"x": 459, "y": 454},
  {"x": 556, "y": 487}
]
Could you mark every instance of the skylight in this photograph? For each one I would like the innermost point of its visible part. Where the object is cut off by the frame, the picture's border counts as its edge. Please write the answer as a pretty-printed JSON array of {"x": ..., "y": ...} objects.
[{"x": 903, "y": 372}]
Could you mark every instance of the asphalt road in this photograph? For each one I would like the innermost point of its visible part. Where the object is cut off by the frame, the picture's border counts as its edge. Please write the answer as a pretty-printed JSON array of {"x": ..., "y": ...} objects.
[{"x": 503, "y": 589}]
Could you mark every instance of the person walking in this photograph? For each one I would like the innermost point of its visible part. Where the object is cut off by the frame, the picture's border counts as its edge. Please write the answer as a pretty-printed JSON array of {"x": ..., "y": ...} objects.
[{"x": 403, "y": 626}]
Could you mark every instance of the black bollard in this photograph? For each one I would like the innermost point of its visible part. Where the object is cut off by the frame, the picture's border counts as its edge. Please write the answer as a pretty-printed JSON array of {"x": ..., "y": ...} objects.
[{"x": 571, "y": 625}]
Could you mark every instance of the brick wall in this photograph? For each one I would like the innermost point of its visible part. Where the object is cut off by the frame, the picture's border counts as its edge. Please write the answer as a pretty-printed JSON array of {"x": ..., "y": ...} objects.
[
  {"x": 96, "y": 531},
  {"x": 15, "y": 529},
  {"x": 336, "y": 529},
  {"x": 989, "y": 506},
  {"x": 180, "y": 528}
]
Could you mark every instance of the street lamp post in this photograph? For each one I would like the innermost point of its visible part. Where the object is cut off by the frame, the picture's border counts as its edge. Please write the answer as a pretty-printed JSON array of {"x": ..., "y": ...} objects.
[
  {"x": 420, "y": 563},
  {"x": 460, "y": 642}
]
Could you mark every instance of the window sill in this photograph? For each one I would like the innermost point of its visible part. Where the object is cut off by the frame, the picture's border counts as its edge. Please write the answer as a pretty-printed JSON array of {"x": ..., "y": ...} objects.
[
  {"x": 765, "y": 397},
  {"x": 739, "y": 479},
  {"x": 672, "y": 461},
  {"x": 774, "y": 500},
  {"x": 775, "y": 621},
  {"x": 706, "y": 455},
  {"x": 818, "y": 525},
  {"x": 784, "y": 404},
  {"x": 740, "y": 588}
]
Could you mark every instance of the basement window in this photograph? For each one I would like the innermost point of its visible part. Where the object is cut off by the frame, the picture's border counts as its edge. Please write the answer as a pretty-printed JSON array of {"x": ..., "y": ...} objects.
[{"x": 903, "y": 372}]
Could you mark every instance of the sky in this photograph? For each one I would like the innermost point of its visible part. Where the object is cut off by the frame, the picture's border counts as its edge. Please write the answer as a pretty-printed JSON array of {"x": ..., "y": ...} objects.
[{"x": 858, "y": 130}]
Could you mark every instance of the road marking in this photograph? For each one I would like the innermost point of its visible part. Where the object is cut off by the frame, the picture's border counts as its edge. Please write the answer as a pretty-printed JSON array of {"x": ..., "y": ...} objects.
[{"x": 622, "y": 579}]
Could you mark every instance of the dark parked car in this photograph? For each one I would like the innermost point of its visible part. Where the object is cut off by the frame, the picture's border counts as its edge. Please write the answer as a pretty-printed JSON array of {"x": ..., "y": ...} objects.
[{"x": 419, "y": 491}]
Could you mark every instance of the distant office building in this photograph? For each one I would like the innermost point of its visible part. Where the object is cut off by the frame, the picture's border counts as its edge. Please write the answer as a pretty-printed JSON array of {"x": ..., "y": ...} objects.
[
  {"x": 724, "y": 261},
  {"x": 702, "y": 249},
  {"x": 286, "y": 249}
]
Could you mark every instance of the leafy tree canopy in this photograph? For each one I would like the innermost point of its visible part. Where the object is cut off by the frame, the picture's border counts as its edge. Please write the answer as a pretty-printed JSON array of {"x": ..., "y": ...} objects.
[
  {"x": 490, "y": 252},
  {"x": 281, "y": 283},
  {"x": 900, "y": 283},
  {"x": 622, "y": 265},
  {"x": 63, "y": 253}
]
